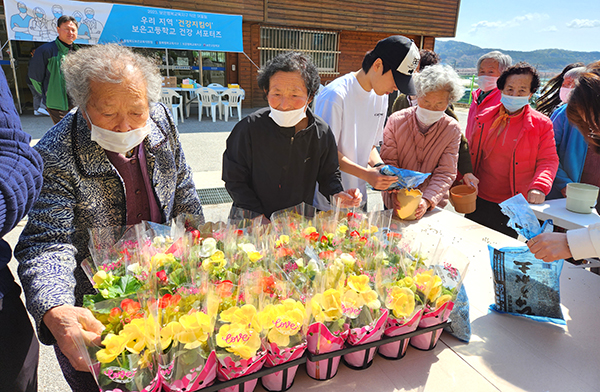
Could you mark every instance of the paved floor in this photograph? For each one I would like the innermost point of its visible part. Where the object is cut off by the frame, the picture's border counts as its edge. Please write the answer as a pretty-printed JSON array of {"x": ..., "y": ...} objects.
[{"x": 203, "y": 143}]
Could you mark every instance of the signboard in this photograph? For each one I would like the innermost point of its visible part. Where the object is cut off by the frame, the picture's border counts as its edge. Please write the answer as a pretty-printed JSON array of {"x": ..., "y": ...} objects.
[{"x": 129, "y": 25}]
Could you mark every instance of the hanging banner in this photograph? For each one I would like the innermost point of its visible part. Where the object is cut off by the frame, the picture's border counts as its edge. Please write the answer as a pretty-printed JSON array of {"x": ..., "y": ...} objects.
[{"x": 129, "y": 25}]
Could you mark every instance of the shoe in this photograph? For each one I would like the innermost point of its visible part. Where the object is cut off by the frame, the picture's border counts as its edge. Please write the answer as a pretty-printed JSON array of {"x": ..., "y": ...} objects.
[
  {"x": 43, "y": 111},
  {"x": 36, "y": 113}
]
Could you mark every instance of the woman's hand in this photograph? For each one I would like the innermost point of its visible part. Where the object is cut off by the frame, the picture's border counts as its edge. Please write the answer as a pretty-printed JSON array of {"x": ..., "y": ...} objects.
[
  {"x": 550, "y": 246},
  {"x": 66, "y": 322},
  {"x": 379, "y": 181},
  {"x": 535, "y": 196},
  {"x": 350, "y": 198},
  {"x": 422, "y": 208},
  {"x": 470, "y": 180}
]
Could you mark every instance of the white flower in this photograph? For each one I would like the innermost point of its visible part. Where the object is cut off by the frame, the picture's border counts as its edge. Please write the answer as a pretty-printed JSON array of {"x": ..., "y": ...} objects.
[
  {"x": 208, "y": 248},
  {"x": 300, "y": 262},
  {"x": 248, "y": 248},
  {"x": 135, "y": 268}
]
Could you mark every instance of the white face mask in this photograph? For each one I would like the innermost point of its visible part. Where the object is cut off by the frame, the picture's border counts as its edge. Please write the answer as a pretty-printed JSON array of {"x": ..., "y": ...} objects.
[
  {"x": 288, "y": 118},
  {"x": 487, "y": 83},
  {"x": 428, "y": 117},
  {"x": 120, "y": 142},
  {"x": 565, "y": 94}
]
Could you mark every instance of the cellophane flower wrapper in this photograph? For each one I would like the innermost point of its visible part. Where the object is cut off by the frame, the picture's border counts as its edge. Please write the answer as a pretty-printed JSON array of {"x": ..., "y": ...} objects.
[{"x": 238, "y": 334}]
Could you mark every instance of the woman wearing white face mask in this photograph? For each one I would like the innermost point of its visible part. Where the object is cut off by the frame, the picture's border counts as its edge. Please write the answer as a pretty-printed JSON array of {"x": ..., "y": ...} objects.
[
  {"x": 489, "y": 68},
  {"x": 277, "y": 155},
  {"x": 557, "y": 90},
  {"x": 113, "y": 161},
  {"x": 512, "y": 149},
  {"x": 425, "y": 139}
]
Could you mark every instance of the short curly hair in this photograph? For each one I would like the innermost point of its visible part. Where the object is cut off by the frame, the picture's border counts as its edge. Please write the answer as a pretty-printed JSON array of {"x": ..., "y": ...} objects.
[
  {"x": 439, "y": 77},
  {"x": 520, "y": 68},
  {"x": 291, "y": 62}
]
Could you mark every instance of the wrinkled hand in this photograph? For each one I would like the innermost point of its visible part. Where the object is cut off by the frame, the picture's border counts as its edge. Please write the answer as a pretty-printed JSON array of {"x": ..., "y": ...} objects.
[
  {"x": 550, "y": 246},
  {"x": 66, "y": 322},
  {"x": 350, "y": 198},
  {"x": 470, "y": 180},
  {"x": 378, "y": 180},
  {"x": 535, "y": 197},
  {"x": 422, "y": 208}
]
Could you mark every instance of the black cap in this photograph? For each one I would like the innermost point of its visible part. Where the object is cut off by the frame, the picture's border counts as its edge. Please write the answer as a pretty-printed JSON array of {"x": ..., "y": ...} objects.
[{"x": 402, "y": 55}]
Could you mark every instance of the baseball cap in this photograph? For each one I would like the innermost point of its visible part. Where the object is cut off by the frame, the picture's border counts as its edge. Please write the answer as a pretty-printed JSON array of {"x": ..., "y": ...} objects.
[{"x": 402, "y": 55}]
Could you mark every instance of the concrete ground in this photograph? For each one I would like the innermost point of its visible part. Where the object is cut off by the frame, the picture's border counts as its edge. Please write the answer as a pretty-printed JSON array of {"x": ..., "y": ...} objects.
[{"x": 203, "y": 143}]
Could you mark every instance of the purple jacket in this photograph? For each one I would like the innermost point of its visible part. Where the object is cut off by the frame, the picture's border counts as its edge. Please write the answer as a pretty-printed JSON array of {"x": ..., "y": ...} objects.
[{"x": 20, "y": 176}]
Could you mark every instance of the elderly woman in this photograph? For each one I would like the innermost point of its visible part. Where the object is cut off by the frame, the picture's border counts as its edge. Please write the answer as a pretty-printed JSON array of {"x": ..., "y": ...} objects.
[
  {"x": 512, "y": 149},
  {"x": 277, "y": 155},
  {"x": 115, "y": 160},
  {"x": 489, "y": 68},
  {"x": 424, "y": 138},
  {"x": 557, "y": 90},
  {"x": 583, "y": 111}
]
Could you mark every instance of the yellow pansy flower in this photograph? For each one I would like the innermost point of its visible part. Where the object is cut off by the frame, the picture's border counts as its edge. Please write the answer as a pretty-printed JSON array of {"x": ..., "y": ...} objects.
[
  {"x": 283, "y": 240},
  {"x": 140, "y": 334},
  {"x": 359, "y": 283},
  {"x": 168, "y": 333},
  {"x": 327, "y": 306},
  {"x": 113, "y": 347},
  {"x": 442, "y": 300},
  {"x": 371, "y": 299},
  {"x": 159, "y": 259},
  {"x": 342, "y": 229},
  {"x": 216, "y": 260},
  {"x": 239, "y": 339},
  {"x": 283, "y": 320},
  {"x": 309, "y": 230},
  {"x": 401, "y": 301},
  {"x": 196, "y": 328},
  {"x": 100, "y": 277},
  {"x": 245, "y": 315},
  {"x": 430, "y": 284}
]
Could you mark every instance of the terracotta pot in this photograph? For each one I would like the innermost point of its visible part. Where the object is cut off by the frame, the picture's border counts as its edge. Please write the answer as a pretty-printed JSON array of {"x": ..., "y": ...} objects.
[
  {"x": 463, "y": 198},
  {"x": 409, "y": 201}
]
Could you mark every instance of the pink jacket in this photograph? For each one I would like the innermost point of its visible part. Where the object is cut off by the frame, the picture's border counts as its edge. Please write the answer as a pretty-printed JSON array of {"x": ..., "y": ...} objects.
[
  {"x": 534, "y": 160},
  {"x": 434, "y": 152},
  {"x": 492, "y": 99}
]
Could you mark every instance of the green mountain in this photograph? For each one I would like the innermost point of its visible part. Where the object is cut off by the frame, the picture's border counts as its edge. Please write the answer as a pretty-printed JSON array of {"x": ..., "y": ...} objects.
[{"x": 462, "y": 55}]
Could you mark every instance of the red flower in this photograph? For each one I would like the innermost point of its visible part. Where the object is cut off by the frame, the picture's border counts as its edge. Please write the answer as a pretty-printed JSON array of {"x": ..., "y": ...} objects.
[
  {"x": 314, "y": 236},
  {"x": 196, "y": 236},
  {"x": 282, "y": 252},
  {"x": 268, "y": 283},
  {"x": 363, "y": 239},
  {"x": 129, "y": 306},
  {"x": 239, "y": 233},
  {"x": 162, "y": 276},
  {"x": 324, "y": 239},
  {"x": 354, "y": 233},
  {"x": 393, "y": 234},
  {"x": 169, "y": 300},
  {"x": 225, "y": 289},
  {"x": 326, "y": 254},
  {"x": 352, "y": 215},
  {"x": 115, "y": 313}
]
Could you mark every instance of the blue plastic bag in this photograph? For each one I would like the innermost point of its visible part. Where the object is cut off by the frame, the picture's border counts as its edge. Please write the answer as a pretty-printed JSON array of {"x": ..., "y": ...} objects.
[
  {"x": 523, "y": 285},
  {"x": 408, "y": 179},
  {"x": 461, "y": 323}
]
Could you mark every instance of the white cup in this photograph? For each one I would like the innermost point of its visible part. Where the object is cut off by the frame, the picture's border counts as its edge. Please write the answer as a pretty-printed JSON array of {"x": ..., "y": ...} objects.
[{"x": 581, "y": 198}]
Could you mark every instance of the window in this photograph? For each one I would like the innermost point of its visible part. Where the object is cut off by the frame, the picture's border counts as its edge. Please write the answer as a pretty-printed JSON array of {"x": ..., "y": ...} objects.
[{"x": 322, "y": 46}]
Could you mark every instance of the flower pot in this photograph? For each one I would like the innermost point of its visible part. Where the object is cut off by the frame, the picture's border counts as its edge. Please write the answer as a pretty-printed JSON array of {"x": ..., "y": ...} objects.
[
  {"x": 279, "y": 381},
  {"x": 409, "y": 201},
  {"x": 581, "y": 198},
  {"x": 463, "y": 198},
  {"x": 324, "y": 369},
  {"x": 397, "y": 350},
  {"x": 177, "y": 376},
  {"x": 427, "y": 341},
  {"x": 360, "y": 360},
  {"x": 229, "y": 369}
]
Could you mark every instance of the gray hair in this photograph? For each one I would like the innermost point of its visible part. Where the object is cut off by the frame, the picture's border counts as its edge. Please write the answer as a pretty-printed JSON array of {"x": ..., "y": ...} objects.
[
  {"x": 291, "y": 62},
  {"x": 504, "y": 60},
  {"x": 108, "y": 64},
  {"x": 439, "y": 77},
  {"x": 574, "y": 73}
]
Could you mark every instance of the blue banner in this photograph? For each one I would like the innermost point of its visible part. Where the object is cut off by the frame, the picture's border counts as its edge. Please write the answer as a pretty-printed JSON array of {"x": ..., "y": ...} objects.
[{"x": 130, "y": 25}]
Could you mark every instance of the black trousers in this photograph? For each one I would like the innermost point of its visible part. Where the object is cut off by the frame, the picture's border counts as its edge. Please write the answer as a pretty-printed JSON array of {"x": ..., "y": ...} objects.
[
  {"x": 19, "y": 347},
  {"x": 490, "y": 215}
]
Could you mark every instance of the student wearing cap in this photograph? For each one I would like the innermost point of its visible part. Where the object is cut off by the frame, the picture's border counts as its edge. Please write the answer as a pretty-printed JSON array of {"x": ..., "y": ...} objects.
[{"x": 355, "y": 106}]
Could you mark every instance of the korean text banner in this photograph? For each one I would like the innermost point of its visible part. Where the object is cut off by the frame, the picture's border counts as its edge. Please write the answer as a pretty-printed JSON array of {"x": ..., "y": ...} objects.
[{"x": 130, "y": 25}]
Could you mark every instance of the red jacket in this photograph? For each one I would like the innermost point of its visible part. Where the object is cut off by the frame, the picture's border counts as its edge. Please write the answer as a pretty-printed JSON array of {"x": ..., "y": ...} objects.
[
  {"x": 534, "y": 159},
  {"x": 492, "y": 99}
]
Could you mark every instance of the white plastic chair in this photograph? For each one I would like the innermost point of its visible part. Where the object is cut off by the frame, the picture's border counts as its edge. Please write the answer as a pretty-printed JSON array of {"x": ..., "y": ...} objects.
[
  {"x": 193, "y": 100},
  {"x": 166, "y": 97},
  {"x": 208, "y": 98},
  {"x": 234, "y": 100},
  {"x": 213, "y": 85}
]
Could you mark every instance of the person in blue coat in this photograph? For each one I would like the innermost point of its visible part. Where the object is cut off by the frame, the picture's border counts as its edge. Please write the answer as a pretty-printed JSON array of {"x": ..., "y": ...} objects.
[
  {"x": 20, "y": 184},
  {"x": 19, "y": 23}
]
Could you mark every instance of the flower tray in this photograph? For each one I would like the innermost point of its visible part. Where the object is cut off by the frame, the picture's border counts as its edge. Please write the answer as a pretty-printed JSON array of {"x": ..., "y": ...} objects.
[{"x": 308, "y": 356}]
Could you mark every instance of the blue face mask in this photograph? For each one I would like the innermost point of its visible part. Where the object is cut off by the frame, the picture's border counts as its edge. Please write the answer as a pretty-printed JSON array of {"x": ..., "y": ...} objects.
[
  {"x": 39, "y": 15},
  {"x": 512, "y": 104},
  {"x": 22, "y": 10},
  {"x": 57, "y": 15},
  {"x": 78, "y": 20},
  {"x": 89, "y": 16}
]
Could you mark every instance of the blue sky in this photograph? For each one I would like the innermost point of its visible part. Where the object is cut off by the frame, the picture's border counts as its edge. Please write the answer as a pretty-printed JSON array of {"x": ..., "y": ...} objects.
[{"x": 529, "y": 25}]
